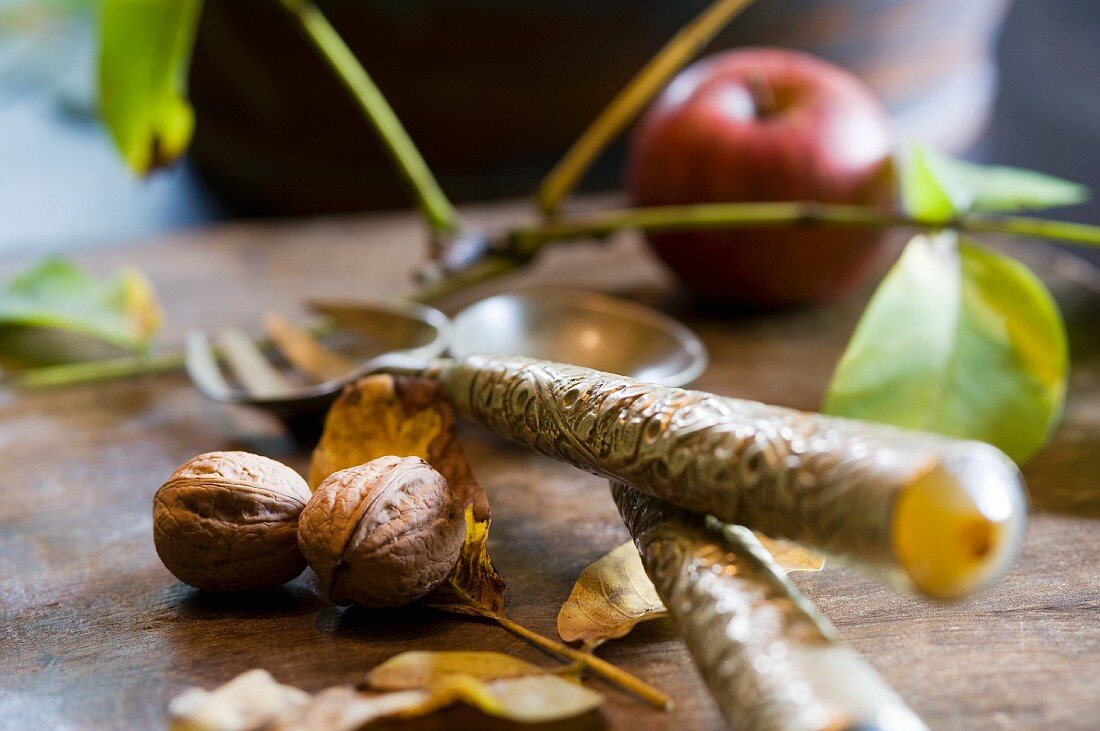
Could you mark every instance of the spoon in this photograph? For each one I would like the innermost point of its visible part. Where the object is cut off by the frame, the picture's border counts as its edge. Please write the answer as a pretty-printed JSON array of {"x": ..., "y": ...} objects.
[{"x": 582, "y": 328}]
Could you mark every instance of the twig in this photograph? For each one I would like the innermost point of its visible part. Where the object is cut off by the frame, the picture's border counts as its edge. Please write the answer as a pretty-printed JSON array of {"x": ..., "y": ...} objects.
[
  {"x": 636, "y": 94},
  {"x": 437, "y": 209},
  {"x": 600, "y": 667}
]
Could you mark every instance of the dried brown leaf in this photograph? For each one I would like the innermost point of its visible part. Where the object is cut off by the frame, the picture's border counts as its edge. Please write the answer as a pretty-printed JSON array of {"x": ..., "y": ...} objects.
[{"x": 370, "y": 420}]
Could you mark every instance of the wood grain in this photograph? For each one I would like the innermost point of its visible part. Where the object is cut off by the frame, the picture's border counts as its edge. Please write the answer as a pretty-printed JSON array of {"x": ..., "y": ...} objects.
[{"x": 96, "y": 634}]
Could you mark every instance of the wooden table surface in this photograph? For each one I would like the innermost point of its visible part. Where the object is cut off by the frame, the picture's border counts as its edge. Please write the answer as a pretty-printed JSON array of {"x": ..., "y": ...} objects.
[{"x": 97, "y": 634}]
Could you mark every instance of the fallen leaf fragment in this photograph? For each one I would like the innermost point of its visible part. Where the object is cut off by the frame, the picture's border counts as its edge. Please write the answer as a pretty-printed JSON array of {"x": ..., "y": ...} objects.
[
  {"x": 613, "y": 594},
  {"x": 345, "y": 709},
  {"x": 249, "y": 701}
]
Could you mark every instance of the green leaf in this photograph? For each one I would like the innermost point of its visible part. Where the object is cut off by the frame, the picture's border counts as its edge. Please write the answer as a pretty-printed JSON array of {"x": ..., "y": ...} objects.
[
  {"x": 144, "y": 51},
  {"x": 1002, "y": 188},
  {"x": 961, "y": 340},
  {"x": 925, "y": 194},
  {"x": 57, "y": 294},
  {"x": 938, "y": 188}
]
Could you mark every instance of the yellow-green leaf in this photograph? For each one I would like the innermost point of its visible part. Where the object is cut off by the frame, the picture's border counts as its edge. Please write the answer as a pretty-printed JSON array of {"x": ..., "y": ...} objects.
[
  {"x": 424, "y": 669},
  {"x": 962, "y": 340},
  {"x": 144, "y": 52},
  {"x": 937, "y": 188},
  {"x": 57, "y": 294},
  {"x": 493, "y": 682},
  {"x": 925, "y": 195}
]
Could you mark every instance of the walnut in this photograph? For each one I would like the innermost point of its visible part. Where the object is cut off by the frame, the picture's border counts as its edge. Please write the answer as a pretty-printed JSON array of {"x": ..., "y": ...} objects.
[
  {"x": 382, "y": 534},
  {"x": 228, "y": 521}
]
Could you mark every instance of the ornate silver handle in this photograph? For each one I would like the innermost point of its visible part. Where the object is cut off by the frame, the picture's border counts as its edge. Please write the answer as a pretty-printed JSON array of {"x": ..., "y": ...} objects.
[
  {"x": 771, "y": 661},
  {"x": 941, "y": 515}
]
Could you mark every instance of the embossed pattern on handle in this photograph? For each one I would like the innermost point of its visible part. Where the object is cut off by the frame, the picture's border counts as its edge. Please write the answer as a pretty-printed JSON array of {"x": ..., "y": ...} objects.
[
  {"x": 828, "y": 482},
  {"x": 770, "y": 659}
]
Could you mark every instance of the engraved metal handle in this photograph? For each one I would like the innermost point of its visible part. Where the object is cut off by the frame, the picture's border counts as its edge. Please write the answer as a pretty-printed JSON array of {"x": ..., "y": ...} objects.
[
  {"x": 771, "y": 661},
  {"x": 936, "y": 514}
]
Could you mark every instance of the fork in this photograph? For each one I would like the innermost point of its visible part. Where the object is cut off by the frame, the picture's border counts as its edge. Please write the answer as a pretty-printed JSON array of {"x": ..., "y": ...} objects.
[{"x": 317, "y": 374}]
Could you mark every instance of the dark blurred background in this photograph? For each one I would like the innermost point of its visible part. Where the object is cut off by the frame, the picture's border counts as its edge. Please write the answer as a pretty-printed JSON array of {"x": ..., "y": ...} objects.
[{"x": 494, "y": 103}]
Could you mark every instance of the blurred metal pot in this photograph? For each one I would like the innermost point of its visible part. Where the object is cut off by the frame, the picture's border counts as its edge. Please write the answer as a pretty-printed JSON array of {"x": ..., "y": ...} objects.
[{"x": 493, "y": 91}]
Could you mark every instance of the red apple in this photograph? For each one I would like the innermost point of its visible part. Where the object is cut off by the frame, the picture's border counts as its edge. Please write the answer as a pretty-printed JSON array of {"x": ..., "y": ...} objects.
[{"x": 762, "y": 124}]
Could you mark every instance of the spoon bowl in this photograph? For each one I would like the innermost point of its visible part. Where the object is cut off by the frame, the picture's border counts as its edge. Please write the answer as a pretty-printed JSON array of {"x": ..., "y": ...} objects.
[{"x": 582, "y": 328}]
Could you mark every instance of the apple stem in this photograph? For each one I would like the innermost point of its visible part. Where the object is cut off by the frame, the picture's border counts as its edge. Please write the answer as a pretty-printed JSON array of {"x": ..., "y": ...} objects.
[
  {"x": 764, "y": 100},
  {"x": 437, "y": 210},
  {"x": 629, "y": 101}
]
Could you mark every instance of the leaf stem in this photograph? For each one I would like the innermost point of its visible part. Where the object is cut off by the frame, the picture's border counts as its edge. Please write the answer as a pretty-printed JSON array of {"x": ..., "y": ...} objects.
[
  {"x": 600, "y": 667},
  {"x": 515, "y": 247},
  {"x": 1064, "y": 231},
  {"x": 437, "y": 209},
  {"x": 524, "y": 242},
  {"x": 480, "y": 271},
  {"x": 629, "y": 101},
  {"x": 103, "y": 369}
]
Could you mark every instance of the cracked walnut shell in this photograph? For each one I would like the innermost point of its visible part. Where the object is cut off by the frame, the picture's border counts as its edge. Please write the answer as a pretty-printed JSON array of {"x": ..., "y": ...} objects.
[
  {"x": 382, "y": 534},
  {"x": 228, "y": 521}
]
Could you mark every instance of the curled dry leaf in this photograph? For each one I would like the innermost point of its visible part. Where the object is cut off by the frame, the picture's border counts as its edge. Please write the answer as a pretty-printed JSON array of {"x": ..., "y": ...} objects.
[
  {"x": 610, "y": 597},
  {"x": 474, "y": 586},
  {"x": 410, "y": 417},
  {"x": 613, "y": 594}
]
